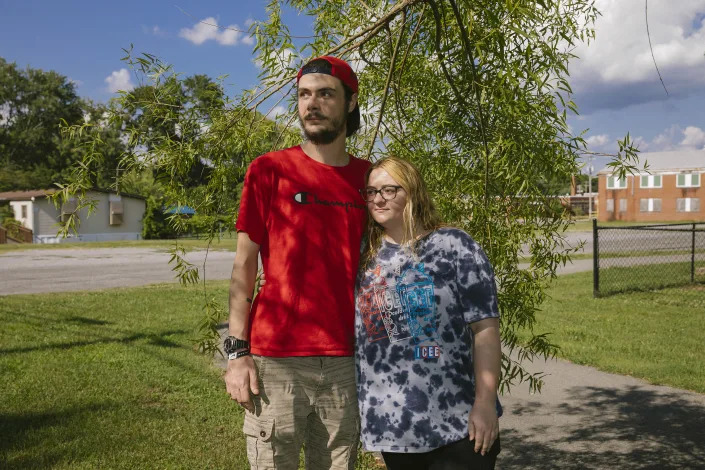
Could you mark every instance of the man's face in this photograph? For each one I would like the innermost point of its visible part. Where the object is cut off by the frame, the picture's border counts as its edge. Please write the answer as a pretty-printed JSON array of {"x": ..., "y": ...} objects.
[{"x": 322, "y": 110}]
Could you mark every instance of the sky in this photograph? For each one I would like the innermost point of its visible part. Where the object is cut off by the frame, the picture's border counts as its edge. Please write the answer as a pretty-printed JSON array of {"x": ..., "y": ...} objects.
[{"x": 617, "y": 88}]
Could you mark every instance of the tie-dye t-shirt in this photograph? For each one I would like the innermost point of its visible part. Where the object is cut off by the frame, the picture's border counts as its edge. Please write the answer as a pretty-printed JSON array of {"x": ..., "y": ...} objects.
[{"x": 414, "y": 347}]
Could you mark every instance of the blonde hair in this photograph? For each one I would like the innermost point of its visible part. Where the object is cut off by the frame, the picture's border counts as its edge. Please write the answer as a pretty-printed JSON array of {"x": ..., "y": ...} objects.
[{"x": 419, "y": 214}]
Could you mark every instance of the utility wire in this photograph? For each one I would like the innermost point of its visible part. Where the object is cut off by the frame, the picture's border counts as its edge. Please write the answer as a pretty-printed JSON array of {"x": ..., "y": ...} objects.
[{"x": 646, "y": 15}]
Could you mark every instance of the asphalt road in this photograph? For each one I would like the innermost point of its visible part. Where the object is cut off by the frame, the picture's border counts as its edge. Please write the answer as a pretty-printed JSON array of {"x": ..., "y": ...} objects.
[{"x": 73, "y": 269}]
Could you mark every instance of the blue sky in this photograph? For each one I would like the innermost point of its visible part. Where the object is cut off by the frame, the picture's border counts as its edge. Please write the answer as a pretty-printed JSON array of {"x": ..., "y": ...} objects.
[{"x": 617, "y": 88}]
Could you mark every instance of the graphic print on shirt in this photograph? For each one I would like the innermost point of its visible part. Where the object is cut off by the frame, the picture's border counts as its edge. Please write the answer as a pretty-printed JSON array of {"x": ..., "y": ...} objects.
[{"x": 399, "y": 309}]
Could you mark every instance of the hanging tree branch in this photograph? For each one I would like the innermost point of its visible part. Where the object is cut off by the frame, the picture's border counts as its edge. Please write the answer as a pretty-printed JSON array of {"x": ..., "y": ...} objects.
[{"x": 386, "y": 85}]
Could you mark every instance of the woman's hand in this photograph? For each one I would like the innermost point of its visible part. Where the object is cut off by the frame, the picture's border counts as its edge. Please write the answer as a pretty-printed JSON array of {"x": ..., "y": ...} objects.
[{"x": 483, "y": 426}]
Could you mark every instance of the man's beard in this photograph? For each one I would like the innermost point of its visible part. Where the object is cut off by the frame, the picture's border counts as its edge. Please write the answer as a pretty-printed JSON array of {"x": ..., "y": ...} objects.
[{"x": 325, "y": 135}]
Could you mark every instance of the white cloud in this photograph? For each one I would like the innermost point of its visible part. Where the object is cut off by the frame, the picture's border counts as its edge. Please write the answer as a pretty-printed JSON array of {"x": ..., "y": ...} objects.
[
  {"x": 616, "y": 69},
  {"x": 208, "y": 30},
  {"x": 249, "y": 40},
  {"x": 153, "y": 30},
  {"x": 693, "y": 137},
  {"x": 597, "y": 140},
  {"x": 641, "y": 143},
  {"x": 119, "y": 80},
  {"x": 671, "y": 138},
  {"x": 285, "y": 58},
  {"x": 278, "y": 111},
  {"x": 76, "y": 83},
  {"x": 676, "y": 138}
]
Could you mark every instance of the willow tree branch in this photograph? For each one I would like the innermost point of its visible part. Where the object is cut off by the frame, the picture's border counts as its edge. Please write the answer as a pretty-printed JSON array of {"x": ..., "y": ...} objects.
[
  {"x": 378, "y": 24},
  {"x": 478, "y": 97},
  {"x": 281, "y": 133},
  {"x": 400, "y": 109},
  {"x": 386, "y": 86},
  {"x": 441, "y": 55}
]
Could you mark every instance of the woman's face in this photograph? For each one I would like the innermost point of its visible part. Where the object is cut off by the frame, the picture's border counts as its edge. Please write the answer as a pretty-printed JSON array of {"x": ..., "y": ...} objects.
[{"x": 386, "y": 212}]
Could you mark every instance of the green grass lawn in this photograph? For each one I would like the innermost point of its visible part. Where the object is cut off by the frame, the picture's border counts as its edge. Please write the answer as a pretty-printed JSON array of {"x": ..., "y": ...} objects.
[
  {"x": 654, "y": 335},
  {"x": 228, "y": 242},
  {"x": 110, "y": 379}
]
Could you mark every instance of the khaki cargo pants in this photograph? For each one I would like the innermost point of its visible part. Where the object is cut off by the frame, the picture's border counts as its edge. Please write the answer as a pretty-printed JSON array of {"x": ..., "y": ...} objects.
[{"x": 309, "y": 401}]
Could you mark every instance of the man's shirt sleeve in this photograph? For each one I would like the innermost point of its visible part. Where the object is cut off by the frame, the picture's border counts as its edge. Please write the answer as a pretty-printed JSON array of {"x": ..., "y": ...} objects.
[{"x": 256, "y": 200}]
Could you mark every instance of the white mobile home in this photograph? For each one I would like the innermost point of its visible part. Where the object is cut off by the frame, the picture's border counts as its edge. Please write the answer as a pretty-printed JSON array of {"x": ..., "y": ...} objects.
[{"x": 116, "y": 217}]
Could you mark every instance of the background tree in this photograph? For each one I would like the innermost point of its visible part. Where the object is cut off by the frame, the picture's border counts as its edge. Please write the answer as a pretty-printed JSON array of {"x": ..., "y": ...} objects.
[
  {"x": 33, "y": 105},
  {"x": 475, "y": 93}
]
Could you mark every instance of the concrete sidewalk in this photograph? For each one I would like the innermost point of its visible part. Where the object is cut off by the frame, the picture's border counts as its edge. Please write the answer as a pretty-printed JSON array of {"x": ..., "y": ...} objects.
[{"x": 588, "y": 419}]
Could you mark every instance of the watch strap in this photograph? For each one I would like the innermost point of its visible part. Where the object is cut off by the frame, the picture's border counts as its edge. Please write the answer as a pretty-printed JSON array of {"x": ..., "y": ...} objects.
[{"x": 239, "y": 354}]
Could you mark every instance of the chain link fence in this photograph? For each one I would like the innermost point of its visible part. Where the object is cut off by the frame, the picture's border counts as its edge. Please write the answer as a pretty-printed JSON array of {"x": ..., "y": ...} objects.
[{"x": 647, "y": 257}]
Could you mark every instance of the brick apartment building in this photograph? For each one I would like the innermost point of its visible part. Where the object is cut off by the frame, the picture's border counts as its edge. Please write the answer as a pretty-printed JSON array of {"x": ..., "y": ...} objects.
[{"x": 671, "y": 190}]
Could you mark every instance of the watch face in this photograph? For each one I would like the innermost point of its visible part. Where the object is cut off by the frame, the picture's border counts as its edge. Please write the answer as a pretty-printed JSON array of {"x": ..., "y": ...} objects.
[{"x": 229, "y": 345}]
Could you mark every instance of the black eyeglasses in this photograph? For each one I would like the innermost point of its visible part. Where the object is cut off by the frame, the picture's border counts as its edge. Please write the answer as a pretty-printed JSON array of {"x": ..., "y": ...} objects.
[{"x": 388, "y": 192}]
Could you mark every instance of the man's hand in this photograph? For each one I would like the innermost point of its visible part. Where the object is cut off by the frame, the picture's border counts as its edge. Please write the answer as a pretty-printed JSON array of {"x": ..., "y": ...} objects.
[
  {"x": 240, "y": 380},
  {"x": 483, "y": 426}
]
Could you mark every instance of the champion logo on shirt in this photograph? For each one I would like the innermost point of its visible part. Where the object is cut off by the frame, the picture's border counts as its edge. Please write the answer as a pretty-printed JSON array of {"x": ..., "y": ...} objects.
[{"x": 305, "y": 198}]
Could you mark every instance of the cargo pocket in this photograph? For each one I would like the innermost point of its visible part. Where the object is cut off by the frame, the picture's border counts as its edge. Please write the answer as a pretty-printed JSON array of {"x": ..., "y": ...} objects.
[{"x": 260, "y": 450}]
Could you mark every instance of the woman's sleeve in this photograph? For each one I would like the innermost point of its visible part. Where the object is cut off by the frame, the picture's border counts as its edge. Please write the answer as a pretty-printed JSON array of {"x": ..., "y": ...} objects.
[{"x": 476, "y": 283}]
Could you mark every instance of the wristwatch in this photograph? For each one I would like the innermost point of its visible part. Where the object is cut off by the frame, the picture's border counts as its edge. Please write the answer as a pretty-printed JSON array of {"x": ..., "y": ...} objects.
[{"x": 232, "y": 345}]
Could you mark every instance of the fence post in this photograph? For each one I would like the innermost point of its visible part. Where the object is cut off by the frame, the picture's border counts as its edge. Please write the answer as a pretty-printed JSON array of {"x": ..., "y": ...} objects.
[
  {"x": 692, "y": 258},
  {"x": 595, "y": 261}
]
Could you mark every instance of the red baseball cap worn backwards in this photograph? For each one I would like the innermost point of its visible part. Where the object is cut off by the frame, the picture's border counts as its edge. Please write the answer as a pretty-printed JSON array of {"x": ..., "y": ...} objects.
[{"x": 338, "y": 69}]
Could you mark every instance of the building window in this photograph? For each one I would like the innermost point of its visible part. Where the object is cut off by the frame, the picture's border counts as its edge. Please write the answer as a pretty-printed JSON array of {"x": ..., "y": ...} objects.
[
  {"x": 614, "y": 182},
  {"x": 650, "y": 181},
  {"x": 116, "y": 212},
  {"x": 610, "y": 205},
  {"x": 622, "y": 205},
  {"x": 688, "y": 204},
  {"x": 650, "y": 205},
  {"x": 23, "y": 209},
  {"x": 688, "y": 180},
  {"x": 68, "y": 208}
]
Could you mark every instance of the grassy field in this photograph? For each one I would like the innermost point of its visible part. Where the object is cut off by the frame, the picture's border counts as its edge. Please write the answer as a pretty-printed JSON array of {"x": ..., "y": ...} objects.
[
  {"x": 228, "y": 242},
  {"x": 654, "y": 335},
  {"x": 111, "y": 380}
]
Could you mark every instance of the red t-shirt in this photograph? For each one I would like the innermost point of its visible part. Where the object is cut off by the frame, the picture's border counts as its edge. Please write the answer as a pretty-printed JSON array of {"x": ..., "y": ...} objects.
[{"x": 308, "y": 219}]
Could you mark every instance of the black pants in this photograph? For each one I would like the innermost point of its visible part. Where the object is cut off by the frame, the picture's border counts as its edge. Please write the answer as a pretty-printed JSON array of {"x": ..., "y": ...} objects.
[{"x": 456, "y": 456}]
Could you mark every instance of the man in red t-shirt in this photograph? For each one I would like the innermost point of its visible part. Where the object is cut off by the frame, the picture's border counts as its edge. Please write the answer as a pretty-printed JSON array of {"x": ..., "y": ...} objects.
[{"x": 290, "y": 360}]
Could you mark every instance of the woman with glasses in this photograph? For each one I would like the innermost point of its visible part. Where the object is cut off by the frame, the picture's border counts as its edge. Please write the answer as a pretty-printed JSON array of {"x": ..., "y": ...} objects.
[{"x": 427, "y": 325}]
